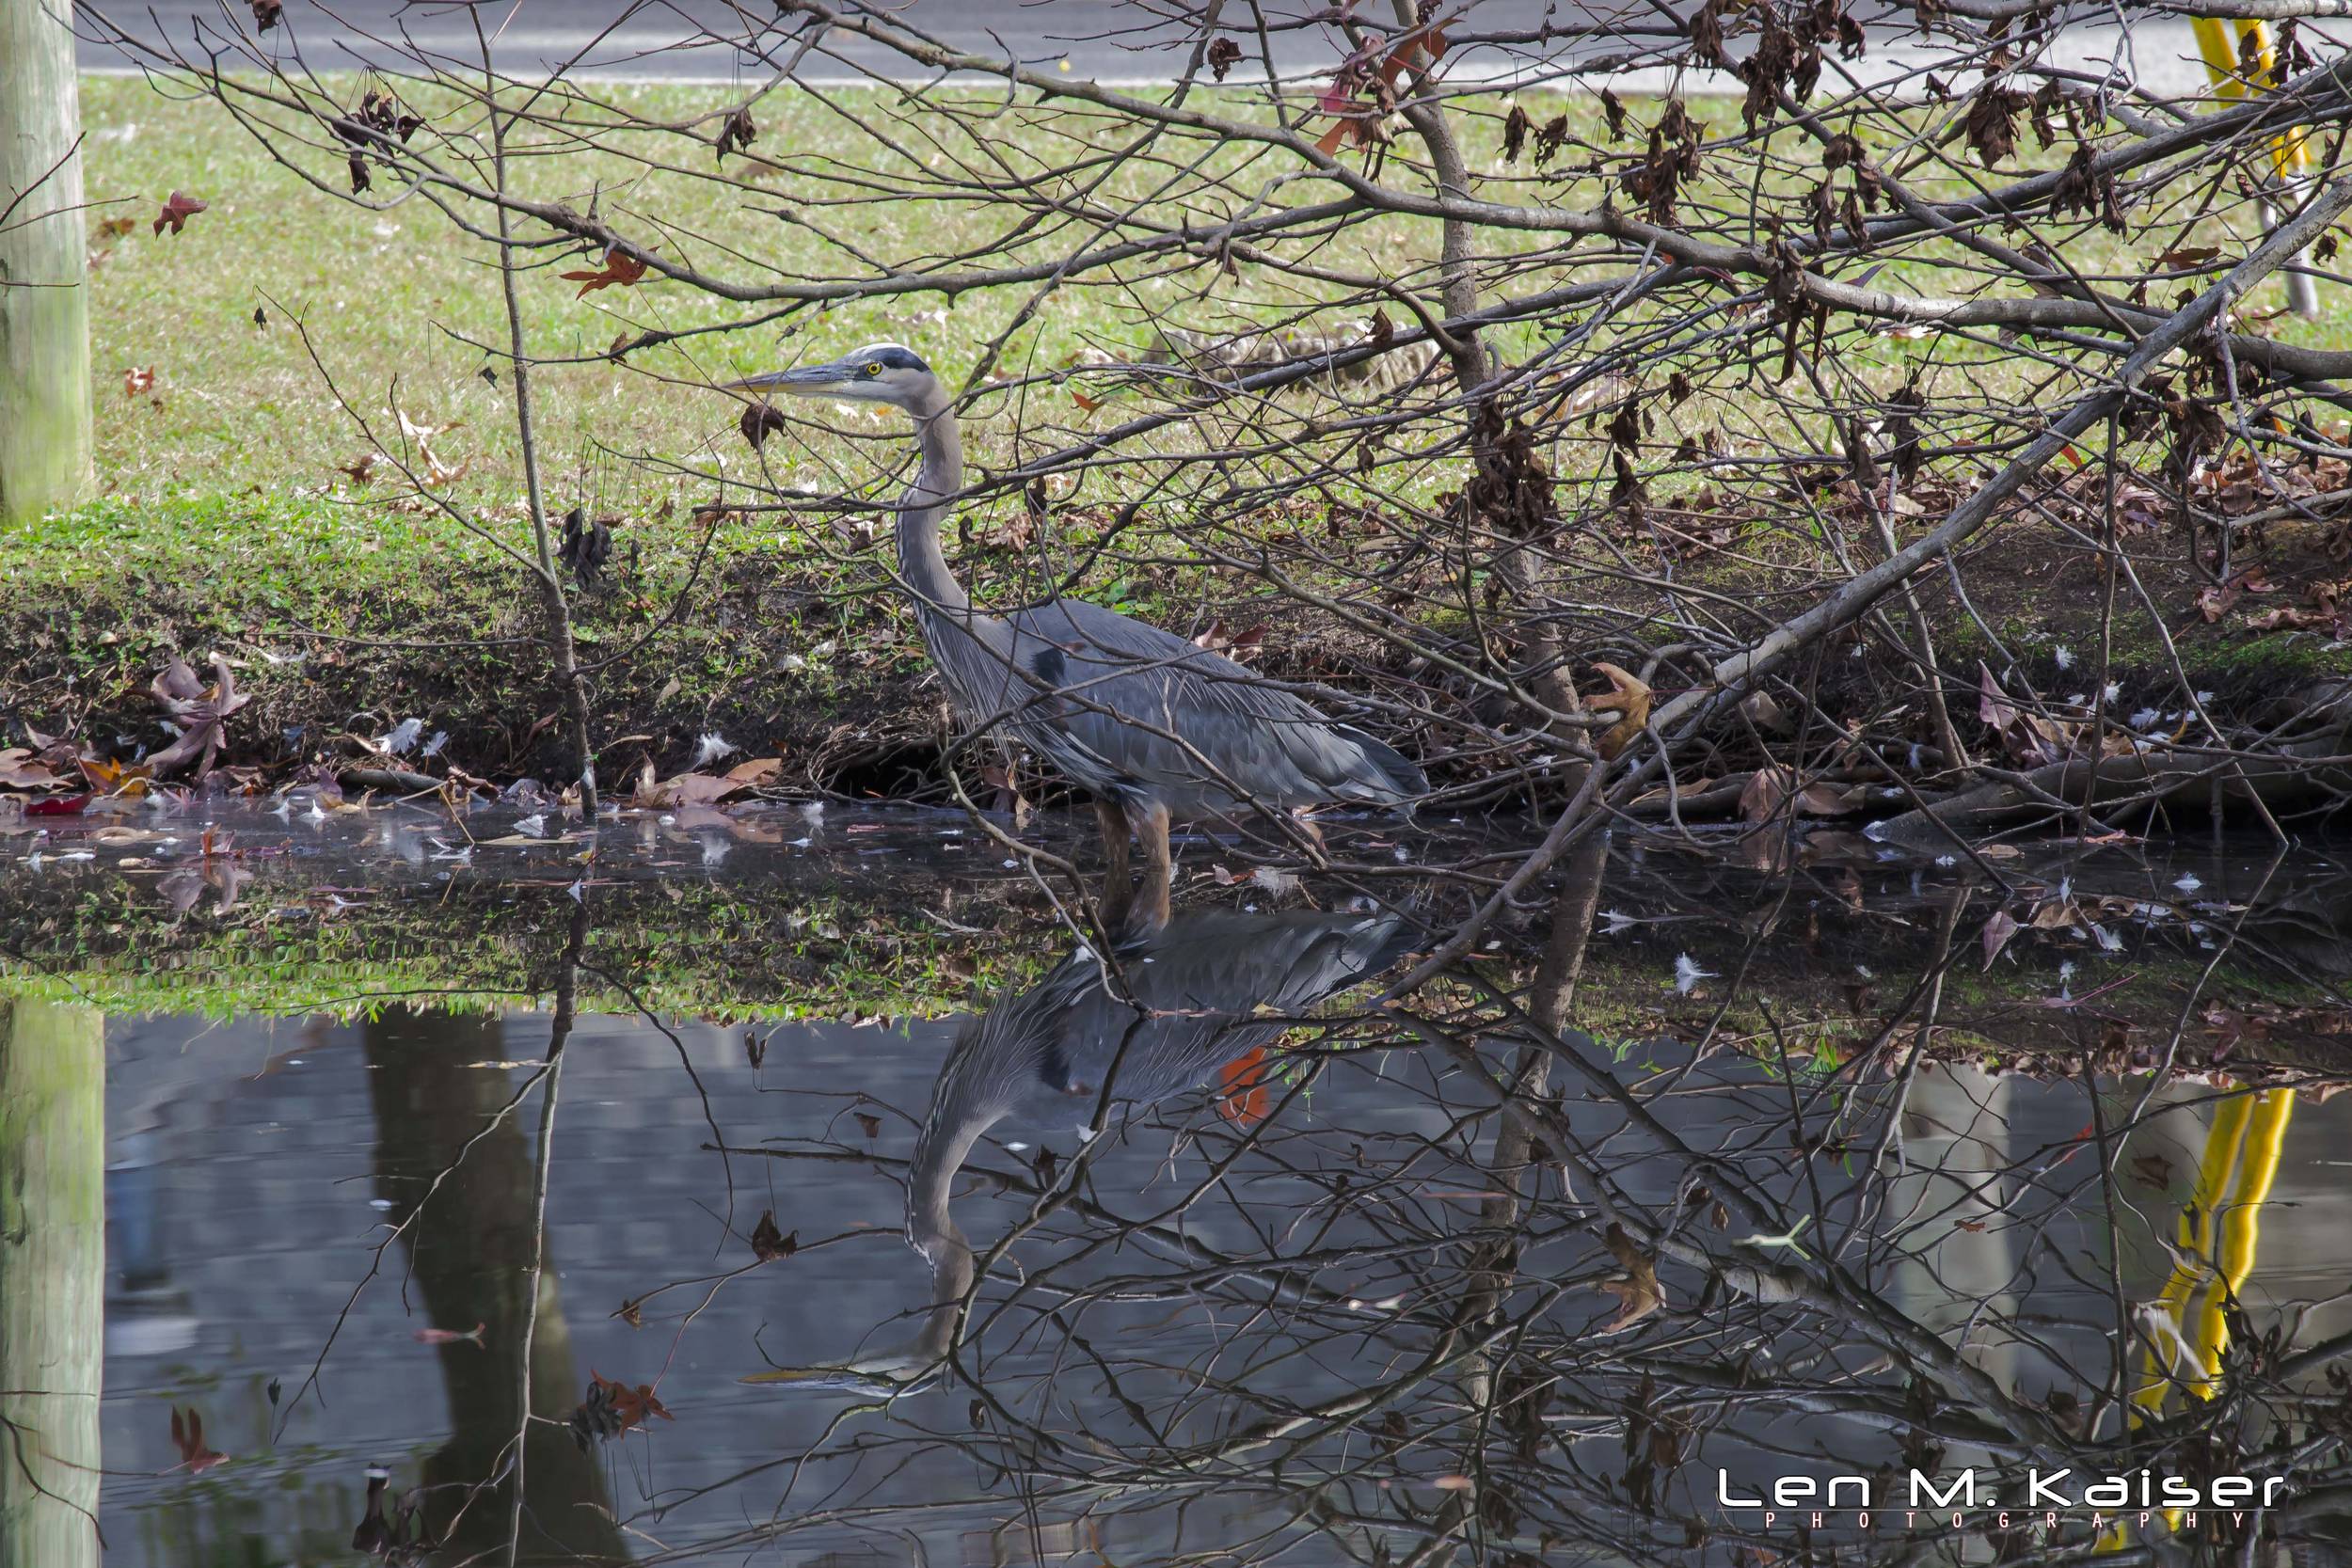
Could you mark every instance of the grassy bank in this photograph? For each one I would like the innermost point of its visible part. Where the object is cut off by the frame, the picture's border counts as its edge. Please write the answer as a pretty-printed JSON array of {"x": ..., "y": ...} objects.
[{"x": 236, "y": 517}]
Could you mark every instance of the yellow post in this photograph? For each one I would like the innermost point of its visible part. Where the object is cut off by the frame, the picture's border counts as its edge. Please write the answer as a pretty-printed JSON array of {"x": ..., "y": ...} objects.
[{"x": 2239, "y": 56}]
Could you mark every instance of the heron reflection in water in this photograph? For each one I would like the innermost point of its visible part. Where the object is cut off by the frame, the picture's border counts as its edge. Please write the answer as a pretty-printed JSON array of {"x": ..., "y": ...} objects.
[{"x": 1207, "y": 990}]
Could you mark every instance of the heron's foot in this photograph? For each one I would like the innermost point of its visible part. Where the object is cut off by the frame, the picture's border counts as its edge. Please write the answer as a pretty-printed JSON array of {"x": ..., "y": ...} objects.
[
  {"x": 1118, "y": 901},
  {"x": 1119, "y": 896},
  {"x": 1151, "y": 910},
  {"x": 1143, "y": 918}
]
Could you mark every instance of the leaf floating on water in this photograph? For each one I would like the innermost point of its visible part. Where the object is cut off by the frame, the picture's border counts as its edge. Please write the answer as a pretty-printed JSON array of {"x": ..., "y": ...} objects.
[
  {"x": 613, "y": 1409},
  {"x": 2152, "y": 1170},
  {"x": 450, "y": 1335},
  {"x": 1637, "y": 1290},
  {"x": 769, "y": 1243},
  {"x": 187, "y": 1436}
]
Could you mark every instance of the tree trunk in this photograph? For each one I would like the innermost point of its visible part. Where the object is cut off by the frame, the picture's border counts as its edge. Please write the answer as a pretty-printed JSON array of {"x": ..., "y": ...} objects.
[
  {"x": 53, "y": 1280},
  {"x": 44, "y": 296}
]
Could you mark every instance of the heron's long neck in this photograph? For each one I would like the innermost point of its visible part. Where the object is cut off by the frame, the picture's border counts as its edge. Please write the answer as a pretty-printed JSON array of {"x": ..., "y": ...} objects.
[
  {"x": 955, "y": 1122},
  {"x": 921, "y": 561}
]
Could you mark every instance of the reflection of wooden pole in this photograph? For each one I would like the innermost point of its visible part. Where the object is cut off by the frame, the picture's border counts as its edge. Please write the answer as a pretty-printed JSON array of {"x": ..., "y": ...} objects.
[
  {"x": 471, "y": 1255},
  {"x": 53, "y": 1280}
]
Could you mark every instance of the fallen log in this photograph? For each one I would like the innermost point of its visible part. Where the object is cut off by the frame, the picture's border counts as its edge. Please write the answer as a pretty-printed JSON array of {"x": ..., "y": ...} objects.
[{"x": 2299, "y": 776}]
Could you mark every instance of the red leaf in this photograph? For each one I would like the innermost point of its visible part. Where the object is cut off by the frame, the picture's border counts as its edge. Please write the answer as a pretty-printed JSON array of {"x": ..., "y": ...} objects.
[
  {"x": 619, "y": 267},
  {"x": 187, "y": 1436},
  {"x": 1084, "y": 402},
  {"x": 450, "y": 1335},
  {"x": 71, "y": 806},
  {"x": 1242, "y": 1096},
  {"x": 176, "y": 209},
  {"x": 137, "y": 379}
]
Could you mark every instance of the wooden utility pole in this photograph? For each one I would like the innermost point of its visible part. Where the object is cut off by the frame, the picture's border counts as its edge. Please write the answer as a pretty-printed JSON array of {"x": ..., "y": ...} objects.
[
  {"x": 44, "y": 290},
  {"x": 53, "y": 1278}
]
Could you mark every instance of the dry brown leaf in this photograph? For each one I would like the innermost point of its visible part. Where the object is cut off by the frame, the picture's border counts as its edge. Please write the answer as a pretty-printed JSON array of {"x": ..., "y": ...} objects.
[
  {"x": 757, "y": 773},
  {"x": 1638, "y": 1293},
  {"x": 1629, "y": 697},
  {"x": 1997, "y": 931}
]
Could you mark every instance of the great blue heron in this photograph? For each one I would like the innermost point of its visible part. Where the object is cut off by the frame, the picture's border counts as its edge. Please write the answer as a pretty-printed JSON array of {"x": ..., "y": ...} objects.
[
  {"x": 1150, "y": 725},
  {"x": 1199, "y": 996}
]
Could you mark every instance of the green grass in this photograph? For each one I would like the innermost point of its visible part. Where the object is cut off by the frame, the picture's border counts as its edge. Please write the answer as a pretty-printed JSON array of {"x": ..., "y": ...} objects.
[{"x": 226, "y": 522}]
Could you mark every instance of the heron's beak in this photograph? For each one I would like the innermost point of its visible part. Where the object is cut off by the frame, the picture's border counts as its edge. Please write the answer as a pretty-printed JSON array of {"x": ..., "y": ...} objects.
[
  {"x": 836, "y": 1379},
  {"x": 810, "y": 381}
]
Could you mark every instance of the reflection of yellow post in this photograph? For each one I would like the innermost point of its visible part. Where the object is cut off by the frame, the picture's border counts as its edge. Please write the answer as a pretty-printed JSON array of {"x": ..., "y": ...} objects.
[
  {"x": 2218, "y": 1235},
  {"x": 2235, "y": 51},
  {"x": 2214, "y": 1246}
]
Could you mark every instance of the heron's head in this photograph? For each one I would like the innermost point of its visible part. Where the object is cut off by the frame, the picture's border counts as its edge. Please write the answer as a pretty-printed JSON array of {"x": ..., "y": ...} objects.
[{"x": 879, "y": 373}]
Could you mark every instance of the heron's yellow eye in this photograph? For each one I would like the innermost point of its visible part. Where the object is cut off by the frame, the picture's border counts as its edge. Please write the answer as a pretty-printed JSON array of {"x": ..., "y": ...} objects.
[{"x": 871, "y": 370}]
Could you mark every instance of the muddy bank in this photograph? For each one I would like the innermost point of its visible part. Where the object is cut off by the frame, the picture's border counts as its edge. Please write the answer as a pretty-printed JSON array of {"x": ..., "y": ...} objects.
[{"x": 790, "y": 653}]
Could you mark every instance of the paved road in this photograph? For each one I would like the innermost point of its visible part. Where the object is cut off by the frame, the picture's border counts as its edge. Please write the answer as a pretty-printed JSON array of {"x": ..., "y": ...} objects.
[
  {"x": 1112, "y": 41},
  {"x": 671, "y": 40}
]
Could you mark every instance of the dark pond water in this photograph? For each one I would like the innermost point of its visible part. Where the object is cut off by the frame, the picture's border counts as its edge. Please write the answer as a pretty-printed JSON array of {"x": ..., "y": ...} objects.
[{"x": 501, "y": 1172}]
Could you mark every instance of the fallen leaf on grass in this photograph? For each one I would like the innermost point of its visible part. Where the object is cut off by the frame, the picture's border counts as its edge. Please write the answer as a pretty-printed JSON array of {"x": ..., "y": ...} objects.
[
  {"x": 1997, "y": 931},
  {"x": 201, "y": 711},
  {"x": 2217, "y": 599},
  {"x": 21, "y": 769},
  {"x": 758, "y": 773},
  {"x": 1637, "y": 1292},
  {"x": 139, "y": 379},
  {"x": 177, "y": 207},
  {"x": 619, "y": 267},
  {"x": 1215, "y": 638}
]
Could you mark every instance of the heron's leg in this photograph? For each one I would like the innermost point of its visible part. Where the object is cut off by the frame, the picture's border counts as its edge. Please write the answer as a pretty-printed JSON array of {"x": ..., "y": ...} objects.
[
  {"x": 1152, "y": 903},
  {"x": 1118, "y": 894}
]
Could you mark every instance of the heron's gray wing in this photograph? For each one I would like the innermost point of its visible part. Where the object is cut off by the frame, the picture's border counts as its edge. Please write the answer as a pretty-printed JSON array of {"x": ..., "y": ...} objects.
[
  {"x": 1200, "y": 982},
  {"x": 1152, "y": 707}
]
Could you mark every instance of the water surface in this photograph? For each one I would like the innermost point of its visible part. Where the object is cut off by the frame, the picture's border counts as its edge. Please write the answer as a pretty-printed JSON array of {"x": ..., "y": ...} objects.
[{"x": 400, "y": 1142}]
